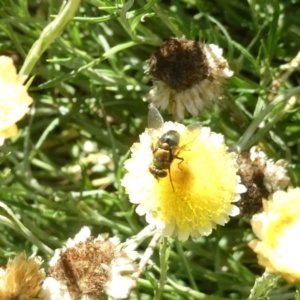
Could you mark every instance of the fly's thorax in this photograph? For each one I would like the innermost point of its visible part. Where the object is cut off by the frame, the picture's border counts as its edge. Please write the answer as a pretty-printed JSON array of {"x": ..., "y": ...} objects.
[
  {"x": 170, "y": 137},
  {"x": 163, "y": 153}
]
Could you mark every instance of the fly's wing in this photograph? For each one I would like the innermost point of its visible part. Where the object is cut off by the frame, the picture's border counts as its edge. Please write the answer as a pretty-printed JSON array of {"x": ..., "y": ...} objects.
[
  {"x": 155, "y": 123},
  {"x": 155, "y": 119},
  {"x": 190, "y": 134}
]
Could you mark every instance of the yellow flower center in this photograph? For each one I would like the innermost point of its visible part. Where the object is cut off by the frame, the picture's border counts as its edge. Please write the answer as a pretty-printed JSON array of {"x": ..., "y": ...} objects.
[
  {"x": 204, "y": 186},
  {"x": 284, "y": 217}
]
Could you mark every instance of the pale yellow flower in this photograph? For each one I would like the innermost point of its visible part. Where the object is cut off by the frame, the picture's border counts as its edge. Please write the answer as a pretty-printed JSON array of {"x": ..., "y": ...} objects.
[
  {"x": 261, "y": 176},
  {"x": 278, "y": 229},
  {"x": 21, "y": 278},
  {"x": 14, "y": 99},
  {"x": 199, "y": 188},
  {"x": 187, "y": 76},
  {"x": 90, "y": 268}
]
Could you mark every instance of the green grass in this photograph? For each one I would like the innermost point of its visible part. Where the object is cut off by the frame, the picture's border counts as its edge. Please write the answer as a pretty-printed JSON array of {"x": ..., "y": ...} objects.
[{"x": 63, "y": 170}]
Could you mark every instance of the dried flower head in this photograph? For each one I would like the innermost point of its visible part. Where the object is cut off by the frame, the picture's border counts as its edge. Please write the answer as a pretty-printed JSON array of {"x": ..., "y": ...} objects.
[
  {"x": 14, "y": 99},
  {"x": 21, "y": 278},
  {"x": 187, "y": 76},
  {"x": 277, "y": 228},
  {"x": 261, "y": 176},
  {"x": 90, "y": 267},
  {"x": 186, "y": 188}
]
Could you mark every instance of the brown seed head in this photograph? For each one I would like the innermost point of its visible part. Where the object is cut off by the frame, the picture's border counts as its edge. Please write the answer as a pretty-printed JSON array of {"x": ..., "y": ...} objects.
[
  {"x": 180, "y": 63},
  {"x": 82, "y": 268},
  {"x": 252, "y": 176}
]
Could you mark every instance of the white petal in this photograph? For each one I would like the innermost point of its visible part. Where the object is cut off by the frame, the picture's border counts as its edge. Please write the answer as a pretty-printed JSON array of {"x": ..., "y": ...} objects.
[
  {"x": 233, "y": 211},
  {"x": 183, "y": 235},
  {"x": 53, "y": 290}
]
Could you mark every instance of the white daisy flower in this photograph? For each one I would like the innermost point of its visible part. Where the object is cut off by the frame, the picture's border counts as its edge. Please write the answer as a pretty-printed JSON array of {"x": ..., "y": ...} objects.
[
  {"x": 192, "y": 193},
  {"x": 277, "y": 229},
  {"x": 14, "y": 99}
]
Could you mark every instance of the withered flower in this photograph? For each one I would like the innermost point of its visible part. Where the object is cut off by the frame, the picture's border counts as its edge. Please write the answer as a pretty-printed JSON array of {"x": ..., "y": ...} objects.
[
  {"x": 21, "y": 278},
  {"x": 261, "y": 176},
  {"x": 187, "y": 76},
  {"x": 90, "y": 267}
]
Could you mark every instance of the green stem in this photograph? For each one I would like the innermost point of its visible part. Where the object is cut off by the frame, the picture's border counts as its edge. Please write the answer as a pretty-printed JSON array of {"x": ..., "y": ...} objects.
[
  {"x": 18, "y": 226},
  {"x": 186, "y": 265},
  {"x": 250, "y": 136},
  {"x": 163, "y": 268},
  {"x": 297, "y": 296},
  {"x": 176, "y": 288},
  {"x": 166, "y": 20},
  {"x": 262, "y": 286},
  {"x": 49, "y": 34}
]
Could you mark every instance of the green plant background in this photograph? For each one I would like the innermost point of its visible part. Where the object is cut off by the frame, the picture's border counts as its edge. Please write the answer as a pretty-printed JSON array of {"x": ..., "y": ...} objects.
[{"x": 63, "y": 170}]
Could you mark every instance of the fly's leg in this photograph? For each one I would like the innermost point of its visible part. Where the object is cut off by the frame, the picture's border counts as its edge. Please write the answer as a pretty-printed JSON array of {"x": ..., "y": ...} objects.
[
  {"x": 181, "y": 161},
  {"x": 171, "y": 179}
]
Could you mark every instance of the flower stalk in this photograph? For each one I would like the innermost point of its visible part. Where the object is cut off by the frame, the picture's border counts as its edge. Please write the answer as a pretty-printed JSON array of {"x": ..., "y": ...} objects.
[
  {"x": 163, "y": 267},
  {"x": 262, "y": 286},
  {"x": 49, "y": 34}
]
